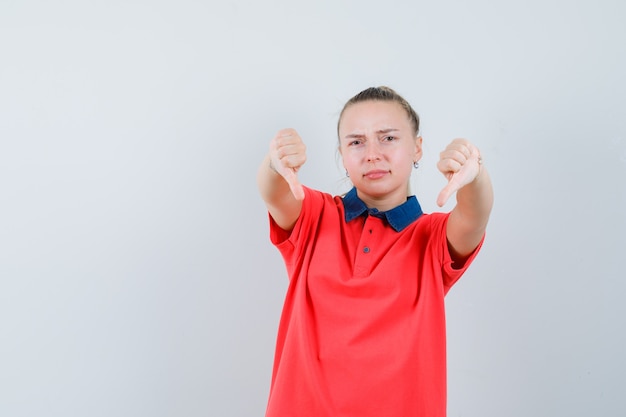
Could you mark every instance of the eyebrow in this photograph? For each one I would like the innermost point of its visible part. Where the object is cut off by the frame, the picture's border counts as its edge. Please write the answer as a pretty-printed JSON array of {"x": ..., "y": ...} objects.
[{"x": 360, "y": 135}]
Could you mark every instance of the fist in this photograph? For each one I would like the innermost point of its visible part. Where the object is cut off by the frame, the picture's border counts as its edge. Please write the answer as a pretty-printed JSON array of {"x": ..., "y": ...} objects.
[
  {"x": 460, "y": 164},
  {"x": 287, "y": 155}
]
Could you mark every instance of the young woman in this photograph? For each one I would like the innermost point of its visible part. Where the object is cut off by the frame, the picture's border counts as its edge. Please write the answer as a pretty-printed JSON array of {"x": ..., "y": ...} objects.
[{"x": 362, "y": 331}]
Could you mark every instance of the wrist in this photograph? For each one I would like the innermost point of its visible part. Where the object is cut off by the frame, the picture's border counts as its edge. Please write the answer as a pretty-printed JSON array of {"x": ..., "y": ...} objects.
[
  {"x": 271, "y": 165},
  {"x": 478, "y": 160}
]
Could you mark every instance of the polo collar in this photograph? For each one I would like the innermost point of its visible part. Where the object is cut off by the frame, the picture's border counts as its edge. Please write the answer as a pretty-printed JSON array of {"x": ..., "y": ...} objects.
[{"x": 398, "y": 217}]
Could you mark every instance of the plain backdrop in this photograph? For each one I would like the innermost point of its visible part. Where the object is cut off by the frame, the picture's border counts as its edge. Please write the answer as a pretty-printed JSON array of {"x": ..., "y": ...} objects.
[{"x": 136, "y": 273}]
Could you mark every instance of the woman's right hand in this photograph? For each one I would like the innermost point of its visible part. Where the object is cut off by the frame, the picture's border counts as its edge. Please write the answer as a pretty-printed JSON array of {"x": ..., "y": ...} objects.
[{"x": 287, "y": 155}]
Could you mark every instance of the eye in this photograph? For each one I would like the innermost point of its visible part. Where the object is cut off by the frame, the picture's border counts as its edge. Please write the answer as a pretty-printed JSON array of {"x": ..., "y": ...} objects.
[
  {"x": 355, "y": 142},
  {"x": 389, "y": 138}
]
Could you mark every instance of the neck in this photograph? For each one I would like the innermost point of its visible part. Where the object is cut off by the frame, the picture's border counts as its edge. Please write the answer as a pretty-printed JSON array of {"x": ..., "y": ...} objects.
[{"x": 384, "y": 203}]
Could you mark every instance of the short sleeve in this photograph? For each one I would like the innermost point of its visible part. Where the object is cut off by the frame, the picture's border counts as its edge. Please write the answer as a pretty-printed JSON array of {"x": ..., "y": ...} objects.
[
  {"x": 290, "y": 243},
  {"x": 450, "y": 274}
]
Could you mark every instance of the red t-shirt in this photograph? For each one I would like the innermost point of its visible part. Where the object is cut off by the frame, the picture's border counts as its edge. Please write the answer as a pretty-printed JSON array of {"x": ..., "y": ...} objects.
[{"x": 362, "y": 331}]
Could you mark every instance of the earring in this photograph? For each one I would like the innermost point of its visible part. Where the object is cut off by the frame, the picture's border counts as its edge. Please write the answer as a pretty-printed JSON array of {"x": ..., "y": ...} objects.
[
  {"x": 416, "y": 164},
  {"x": 347, "y": 175}
]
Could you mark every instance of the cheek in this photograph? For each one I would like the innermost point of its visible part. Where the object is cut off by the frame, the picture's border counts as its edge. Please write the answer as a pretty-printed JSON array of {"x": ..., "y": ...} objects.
[
  {"x": 348, "y": 164},
  {"x": 404, "y": 161},
  {"x": 349, "y": 158}
]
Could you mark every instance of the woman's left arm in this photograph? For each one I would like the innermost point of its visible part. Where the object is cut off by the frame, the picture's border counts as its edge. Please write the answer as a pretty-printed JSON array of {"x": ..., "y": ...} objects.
[{"x": 461, "y": 163}]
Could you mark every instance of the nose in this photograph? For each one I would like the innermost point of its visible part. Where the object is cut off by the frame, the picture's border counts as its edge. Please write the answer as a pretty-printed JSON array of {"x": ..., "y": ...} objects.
[{"x": 373, "y": 151}]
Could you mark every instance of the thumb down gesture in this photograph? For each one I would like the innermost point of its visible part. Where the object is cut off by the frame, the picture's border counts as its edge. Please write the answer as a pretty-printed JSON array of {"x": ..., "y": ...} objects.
[
  {"x": 287, "y": 155},
  {"x": 460, "y": 163}
]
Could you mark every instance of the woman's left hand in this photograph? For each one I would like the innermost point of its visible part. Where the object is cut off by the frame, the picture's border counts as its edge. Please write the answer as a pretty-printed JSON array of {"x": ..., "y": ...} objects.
[{"x": 460, "y": 164}]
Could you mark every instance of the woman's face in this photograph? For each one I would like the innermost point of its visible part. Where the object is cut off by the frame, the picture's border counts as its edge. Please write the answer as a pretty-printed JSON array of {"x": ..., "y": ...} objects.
[{"x": 378, "y": 147}]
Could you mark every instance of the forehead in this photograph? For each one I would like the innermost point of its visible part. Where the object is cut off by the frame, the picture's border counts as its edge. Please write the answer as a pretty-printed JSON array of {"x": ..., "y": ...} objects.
[{"x": 373, "y": 115}]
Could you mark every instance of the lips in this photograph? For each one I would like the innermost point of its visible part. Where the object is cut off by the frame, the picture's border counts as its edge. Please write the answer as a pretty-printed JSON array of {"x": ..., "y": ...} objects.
[{"x": 375, "y": 174}]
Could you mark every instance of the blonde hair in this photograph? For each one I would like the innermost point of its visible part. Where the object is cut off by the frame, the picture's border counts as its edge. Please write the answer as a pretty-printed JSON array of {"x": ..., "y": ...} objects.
[{"x": 383, "y": 93}]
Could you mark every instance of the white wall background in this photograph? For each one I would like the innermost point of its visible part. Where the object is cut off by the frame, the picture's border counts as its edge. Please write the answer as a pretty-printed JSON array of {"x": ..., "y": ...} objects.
[{"x": 136, "y": 274}]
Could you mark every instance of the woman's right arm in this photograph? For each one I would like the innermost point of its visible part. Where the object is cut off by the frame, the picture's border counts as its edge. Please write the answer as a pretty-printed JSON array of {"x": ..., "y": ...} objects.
[{"x": 278, "y": 181}]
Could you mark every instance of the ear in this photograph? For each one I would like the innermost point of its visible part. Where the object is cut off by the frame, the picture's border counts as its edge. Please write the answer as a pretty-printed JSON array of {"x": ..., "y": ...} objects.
[
  {"x": 418, "y": 148},
  {"x": 343, "y": 163}
]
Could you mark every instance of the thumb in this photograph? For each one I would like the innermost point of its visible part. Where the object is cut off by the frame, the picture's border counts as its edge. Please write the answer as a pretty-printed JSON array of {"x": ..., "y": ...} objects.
[
  {"x": 294, "y": 184},
  {"x": 445, "y": 194},
  {"x": 447, "y": 191}
]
